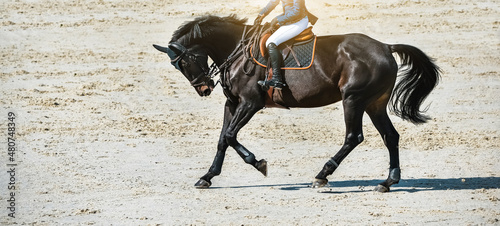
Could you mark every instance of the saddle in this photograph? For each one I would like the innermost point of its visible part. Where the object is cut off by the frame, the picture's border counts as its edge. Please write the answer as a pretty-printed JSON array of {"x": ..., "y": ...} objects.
[{"x": 298, "y": 53}]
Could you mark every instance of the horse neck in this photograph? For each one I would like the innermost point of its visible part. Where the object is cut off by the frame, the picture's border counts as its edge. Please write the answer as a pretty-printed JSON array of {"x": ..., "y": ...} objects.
[{"x": 221, "y": 43}]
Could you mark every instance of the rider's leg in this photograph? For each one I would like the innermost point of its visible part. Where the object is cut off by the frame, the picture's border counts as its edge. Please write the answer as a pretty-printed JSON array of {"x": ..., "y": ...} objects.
[
  {"x": 276, "y": 61},
  {"x": 283, "y": 34}
]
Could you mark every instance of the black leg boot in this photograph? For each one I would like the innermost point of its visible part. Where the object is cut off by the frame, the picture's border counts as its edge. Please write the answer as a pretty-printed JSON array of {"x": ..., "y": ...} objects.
[{"x": 276, "y": 58}]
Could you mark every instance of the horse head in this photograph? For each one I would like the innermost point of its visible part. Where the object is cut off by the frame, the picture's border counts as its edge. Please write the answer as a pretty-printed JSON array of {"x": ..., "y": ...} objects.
[
  {"x": 194, "y": 41},
  {"x": 192, "y": 62}
]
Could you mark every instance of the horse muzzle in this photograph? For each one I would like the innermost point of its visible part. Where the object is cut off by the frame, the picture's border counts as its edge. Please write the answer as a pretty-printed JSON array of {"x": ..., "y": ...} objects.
[{"x": 205, "y": 89}]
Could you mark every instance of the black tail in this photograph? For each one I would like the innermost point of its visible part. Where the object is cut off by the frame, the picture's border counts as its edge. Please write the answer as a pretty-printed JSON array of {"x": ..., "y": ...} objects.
[{"x": 419, "y": 77}]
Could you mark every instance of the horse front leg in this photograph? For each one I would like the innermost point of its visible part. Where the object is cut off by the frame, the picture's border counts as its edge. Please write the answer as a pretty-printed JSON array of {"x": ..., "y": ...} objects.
[
  {"x": 235, "y": 117},
  {"x": 244, "y": 112},
  {"x": 216, "y": 168}
]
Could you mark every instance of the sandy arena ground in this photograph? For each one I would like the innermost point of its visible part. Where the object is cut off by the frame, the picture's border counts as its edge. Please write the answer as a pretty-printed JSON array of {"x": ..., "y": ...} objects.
[{"x": 108, "y": 132}]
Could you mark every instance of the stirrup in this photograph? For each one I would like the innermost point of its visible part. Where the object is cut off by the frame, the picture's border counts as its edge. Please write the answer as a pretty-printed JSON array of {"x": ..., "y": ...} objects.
[{"x": 276, "y": 84}]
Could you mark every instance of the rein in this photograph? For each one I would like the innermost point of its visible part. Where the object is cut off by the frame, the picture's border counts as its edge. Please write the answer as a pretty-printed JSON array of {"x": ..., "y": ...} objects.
[{"x": 241, "y": 49}]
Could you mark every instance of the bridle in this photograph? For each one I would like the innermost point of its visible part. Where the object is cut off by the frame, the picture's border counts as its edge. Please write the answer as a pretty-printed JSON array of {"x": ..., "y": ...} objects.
[{"x": 207, "y": 73}]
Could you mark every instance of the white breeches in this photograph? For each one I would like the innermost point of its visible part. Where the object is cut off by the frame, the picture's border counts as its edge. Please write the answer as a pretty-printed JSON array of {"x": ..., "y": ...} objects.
[{"x": 287, "y": 32}]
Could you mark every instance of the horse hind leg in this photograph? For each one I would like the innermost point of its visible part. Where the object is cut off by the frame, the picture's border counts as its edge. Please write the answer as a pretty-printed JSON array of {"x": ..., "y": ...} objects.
[
  {"x": 353, "y": 116},
  {"x": 378, "y": 114}
]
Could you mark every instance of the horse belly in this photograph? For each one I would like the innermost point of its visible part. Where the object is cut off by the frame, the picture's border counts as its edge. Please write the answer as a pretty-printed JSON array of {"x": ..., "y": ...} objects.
[{"x": 304, "y": 96}]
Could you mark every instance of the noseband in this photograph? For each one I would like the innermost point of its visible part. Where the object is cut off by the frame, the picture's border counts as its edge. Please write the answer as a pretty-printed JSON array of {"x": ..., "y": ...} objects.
[{"x": 201, "y": 79}]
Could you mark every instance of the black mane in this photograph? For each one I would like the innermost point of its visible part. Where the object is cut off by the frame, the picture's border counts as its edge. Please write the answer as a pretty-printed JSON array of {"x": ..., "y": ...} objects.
[{"x": 203, "y": 26}]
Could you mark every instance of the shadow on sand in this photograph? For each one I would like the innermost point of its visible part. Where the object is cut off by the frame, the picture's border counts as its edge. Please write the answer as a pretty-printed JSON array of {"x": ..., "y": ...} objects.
[{"x": 405, "y": 185}]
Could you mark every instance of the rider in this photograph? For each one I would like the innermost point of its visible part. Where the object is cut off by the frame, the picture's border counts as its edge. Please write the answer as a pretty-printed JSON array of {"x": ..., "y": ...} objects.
[{"x": 292, "y": 22}]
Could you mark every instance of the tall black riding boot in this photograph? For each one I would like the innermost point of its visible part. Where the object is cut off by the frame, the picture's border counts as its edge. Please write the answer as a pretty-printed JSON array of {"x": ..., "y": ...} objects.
[{"x": 276, "y": 60}]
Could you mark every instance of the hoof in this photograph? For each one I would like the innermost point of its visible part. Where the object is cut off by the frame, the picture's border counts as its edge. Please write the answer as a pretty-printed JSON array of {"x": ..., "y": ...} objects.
[
  {"x": 262, "y": 166},
  {"x": 318, "y": 183},
  {"x": 381, "y": 188},
  {"x": 202, "y": 184}
]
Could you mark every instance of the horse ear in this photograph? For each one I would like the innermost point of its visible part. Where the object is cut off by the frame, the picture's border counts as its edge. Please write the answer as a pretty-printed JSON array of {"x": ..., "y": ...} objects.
[
  {"x": 176, "y": 48},
  {"x": 171, "y": 53},
  {"x": 161, "y": 48}
]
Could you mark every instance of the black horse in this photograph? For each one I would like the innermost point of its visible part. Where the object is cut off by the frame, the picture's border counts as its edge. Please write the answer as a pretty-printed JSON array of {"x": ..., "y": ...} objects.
[{"x": 353, "y": 68}]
